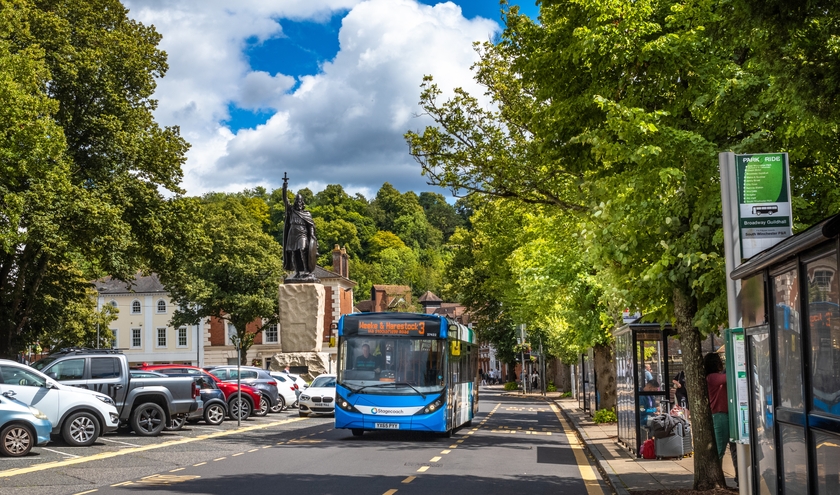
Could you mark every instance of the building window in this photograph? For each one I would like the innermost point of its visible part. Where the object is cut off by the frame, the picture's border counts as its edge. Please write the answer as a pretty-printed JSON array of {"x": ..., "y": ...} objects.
[
  {"x": 182, "y": 337},
  {"x": 136, "y": 341},
  {"x": 270, "y": 333},
  {"x": 161, "y": 337},
  {"x": 135, "y": 307},
  {"x": 115, "y": 341},
  {"x": 113, "y": 303},
  {"x": 231, "y": 332},
  {"x": 161, "y": 306}
]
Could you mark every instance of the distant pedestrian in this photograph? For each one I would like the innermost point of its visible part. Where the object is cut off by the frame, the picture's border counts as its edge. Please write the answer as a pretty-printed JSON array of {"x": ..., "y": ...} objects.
[
  {"x": 535, "y": 380},
  {"x": 718, "y": 401},
  {"x": 680, "y": 393},
  {"x": 648, "y": 374},
  {"x": 286, "y": 369}
]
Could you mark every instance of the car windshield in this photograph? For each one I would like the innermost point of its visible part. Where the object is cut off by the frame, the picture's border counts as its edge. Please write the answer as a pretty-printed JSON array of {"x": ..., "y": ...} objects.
[
  {"x": 390, "y": 366},
  {"x": 323, "y": 381},
  {"x": 42, "y": 363}
]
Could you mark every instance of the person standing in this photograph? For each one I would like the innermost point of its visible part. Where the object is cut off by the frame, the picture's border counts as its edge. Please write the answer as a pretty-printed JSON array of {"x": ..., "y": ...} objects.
[
  {"x": 648, "y": 374},
  {"x": 719, "y": 403},
  {"x": 680, "y": 393}
]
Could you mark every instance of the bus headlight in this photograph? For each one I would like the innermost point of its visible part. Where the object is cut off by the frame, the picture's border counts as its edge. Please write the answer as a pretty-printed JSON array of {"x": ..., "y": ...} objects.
[
  {"x": 345, "y": 404},
  {"x": 434, "y": 405}
]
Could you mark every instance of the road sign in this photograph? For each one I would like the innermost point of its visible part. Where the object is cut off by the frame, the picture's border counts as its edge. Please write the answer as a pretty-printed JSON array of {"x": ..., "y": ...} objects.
[{"x": 764, "y": 213}]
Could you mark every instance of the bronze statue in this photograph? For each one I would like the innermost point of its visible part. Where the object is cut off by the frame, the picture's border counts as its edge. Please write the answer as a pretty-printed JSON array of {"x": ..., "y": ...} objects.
[{"x": 300, "y": 246}]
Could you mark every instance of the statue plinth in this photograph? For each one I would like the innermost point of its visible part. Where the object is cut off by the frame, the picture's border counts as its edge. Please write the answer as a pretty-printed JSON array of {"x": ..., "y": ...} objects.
[{"x": 301, "y": 322}]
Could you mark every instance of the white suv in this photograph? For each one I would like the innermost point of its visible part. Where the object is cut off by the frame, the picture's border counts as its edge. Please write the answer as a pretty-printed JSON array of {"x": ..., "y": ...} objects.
[{"x": 79, "y": 415}]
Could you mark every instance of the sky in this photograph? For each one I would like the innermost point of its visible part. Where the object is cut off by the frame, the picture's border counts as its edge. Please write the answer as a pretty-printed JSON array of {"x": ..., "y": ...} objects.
[{"x": 323, "y": 90}]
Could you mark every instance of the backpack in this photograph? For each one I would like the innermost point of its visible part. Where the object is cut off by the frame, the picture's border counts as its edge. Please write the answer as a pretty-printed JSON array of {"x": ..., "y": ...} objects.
[{"x": 648, "y": 450}]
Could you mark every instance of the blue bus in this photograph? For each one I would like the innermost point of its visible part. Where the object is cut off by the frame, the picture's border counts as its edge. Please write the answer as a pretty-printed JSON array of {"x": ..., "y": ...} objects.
[{"x": 405, "y": 371}]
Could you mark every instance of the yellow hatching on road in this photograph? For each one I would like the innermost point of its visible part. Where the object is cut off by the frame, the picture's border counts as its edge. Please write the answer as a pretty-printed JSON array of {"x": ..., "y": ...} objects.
[
  {"x": 590, "y": 480},
  {"x": 107, "y": 455}
]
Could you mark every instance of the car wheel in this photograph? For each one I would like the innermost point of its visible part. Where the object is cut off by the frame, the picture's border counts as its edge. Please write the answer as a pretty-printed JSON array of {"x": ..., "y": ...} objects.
[
  {"x": 214, "y": 414},
  {"x": 239, "y": 408},
  {"x": 17, "y": 441},
  {"x": 281, "y": 404},
  {"x": 303, "y": 414},
  {"x": 148, "y": 420},
  {"x": 265, "y": 405},
  {"x": 176, "y": 423},
  {"x": 80, "y": 429},
  {"x": 357, "y": 432}
]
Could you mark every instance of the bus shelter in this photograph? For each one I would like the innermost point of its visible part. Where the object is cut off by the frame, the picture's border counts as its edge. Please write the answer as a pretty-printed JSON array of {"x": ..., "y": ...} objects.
[
  {"x": 789, "y": 304},
  {"x": 587, "y": 388}
]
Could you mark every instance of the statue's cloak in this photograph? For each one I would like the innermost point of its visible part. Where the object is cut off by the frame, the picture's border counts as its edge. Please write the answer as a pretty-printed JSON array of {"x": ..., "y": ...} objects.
[{"x": 310, "y": 255}]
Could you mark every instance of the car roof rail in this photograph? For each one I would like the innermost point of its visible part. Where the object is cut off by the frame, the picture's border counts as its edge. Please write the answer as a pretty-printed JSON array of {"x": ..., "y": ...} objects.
[{"x": 86, "y": 350}]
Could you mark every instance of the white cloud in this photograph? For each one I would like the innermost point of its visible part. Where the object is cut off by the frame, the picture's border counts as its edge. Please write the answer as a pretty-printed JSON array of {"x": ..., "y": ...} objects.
[{"x": 343, "y": 125}]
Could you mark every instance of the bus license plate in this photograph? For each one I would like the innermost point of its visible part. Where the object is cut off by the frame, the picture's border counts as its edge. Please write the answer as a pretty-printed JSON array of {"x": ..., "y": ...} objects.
[{"x": 388, "y": 426}]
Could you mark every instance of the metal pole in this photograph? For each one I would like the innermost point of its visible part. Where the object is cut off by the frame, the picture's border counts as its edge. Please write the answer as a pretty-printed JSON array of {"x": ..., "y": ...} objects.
[
  {"x": 97, "y": 335},
  {"x": 238, "y": 386},
  {"x": 732, "y": 257}
]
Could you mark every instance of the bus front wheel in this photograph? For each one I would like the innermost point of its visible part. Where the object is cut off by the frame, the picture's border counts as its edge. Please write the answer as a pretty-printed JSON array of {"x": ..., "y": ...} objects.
[{"x": 357, "y": 432}]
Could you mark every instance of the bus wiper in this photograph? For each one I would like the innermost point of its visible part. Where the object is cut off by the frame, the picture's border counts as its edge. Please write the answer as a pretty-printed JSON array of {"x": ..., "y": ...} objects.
[
  {"x": 356, "y": 391},
  {"x": 412, "y": 388}
]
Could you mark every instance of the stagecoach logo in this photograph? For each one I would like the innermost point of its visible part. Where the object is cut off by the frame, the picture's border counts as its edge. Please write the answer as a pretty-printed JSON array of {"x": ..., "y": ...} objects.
[{"x": 390, "y": 411}]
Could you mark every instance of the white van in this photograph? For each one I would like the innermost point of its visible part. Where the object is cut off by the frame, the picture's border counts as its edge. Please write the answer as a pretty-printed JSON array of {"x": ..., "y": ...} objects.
[{"x": 80, "y": 416}]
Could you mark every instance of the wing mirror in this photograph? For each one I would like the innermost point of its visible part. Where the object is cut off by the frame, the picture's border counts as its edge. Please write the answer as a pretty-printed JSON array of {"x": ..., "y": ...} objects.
[
  {"x": 9, "y": 394},
  {"x": 51, "y": 384},
  {"x": 52, "y": 375}
]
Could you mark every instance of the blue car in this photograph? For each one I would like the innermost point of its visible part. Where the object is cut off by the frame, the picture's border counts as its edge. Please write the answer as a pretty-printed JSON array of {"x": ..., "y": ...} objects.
[{"x": 21, "y": 427}]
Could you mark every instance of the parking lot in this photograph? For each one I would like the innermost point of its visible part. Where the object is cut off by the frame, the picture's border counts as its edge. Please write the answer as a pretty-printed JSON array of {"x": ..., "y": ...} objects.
[{"x": 192, "y": 442}]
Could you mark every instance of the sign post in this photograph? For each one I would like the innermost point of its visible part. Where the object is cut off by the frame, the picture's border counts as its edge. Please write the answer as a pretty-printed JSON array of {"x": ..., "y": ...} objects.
[
  {"x": 764, "y": 212},
  {"x": 736, "y": 386}
]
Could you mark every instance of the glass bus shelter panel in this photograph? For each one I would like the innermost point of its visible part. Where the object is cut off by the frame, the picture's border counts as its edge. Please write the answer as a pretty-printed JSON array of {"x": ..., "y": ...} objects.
[
  {"x": 789, "y": 340},
  {"x": 794, "y": 459},
  {"x": 827, "y": 447},
  {"x": 824, "y": 327},
  {"x": 592, "y": 380},
  {"x": 649, "y": 359},
  {"x": 752, "y": 301},
  {"x": 762, "y": 414},
  {"x": 625, "y": 390}
]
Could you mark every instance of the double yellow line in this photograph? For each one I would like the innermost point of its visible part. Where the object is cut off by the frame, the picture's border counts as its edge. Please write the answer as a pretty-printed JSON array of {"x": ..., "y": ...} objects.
[{"x": 107, "y": 455}]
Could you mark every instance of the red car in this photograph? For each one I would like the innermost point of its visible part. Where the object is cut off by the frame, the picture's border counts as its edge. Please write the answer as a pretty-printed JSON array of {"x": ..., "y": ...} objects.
[{"x": 250, "y": 395}]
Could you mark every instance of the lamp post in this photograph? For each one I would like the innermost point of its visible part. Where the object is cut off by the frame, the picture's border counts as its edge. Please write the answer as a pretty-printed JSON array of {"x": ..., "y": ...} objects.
[{"x": 236, "y": 341}]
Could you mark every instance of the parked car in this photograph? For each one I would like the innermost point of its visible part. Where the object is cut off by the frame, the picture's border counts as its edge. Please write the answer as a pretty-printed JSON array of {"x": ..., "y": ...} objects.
[
  {"x": 215, "y": 405},
  {"x": 147, "y": 405},
  {"x": 318, "y": 397},
  {"x": 255, "y": 377},
  {"x": 79, "y": 416},
  {"x": 21, "y": 427},
  {"x": 289, "y": 386},
  {"x": 243, "y": 409}
]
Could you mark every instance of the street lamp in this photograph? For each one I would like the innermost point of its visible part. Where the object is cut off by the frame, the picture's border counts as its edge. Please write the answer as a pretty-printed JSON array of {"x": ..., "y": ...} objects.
[{"x": 236, "y": 341}]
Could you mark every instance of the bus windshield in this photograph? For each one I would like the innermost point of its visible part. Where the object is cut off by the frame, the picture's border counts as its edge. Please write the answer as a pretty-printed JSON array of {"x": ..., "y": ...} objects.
[{"x": 387, "y": 366}]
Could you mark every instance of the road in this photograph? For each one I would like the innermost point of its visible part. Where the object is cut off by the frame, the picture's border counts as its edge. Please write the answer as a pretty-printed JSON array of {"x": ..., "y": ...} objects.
[{"x": 515, "y": 445}]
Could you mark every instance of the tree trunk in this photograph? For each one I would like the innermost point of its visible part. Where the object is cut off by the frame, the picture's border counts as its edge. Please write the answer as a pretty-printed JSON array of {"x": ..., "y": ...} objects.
[
  {"x": 605, "y": 375},
  {"x": 708, "y": 473}
]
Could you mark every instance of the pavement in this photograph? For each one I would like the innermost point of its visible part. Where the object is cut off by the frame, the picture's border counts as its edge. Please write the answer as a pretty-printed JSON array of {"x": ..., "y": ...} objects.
[{"x": 625, "y": 472}]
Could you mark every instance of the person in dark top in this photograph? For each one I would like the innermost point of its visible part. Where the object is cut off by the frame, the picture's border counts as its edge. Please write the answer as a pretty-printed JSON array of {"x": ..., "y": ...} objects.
[
  {"x": 680, "y": 394},
  {"x": 365, "y": 361}
]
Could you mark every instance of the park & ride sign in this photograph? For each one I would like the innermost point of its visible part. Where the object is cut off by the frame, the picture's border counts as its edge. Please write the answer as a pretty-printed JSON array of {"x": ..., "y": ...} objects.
[{"x": 764, "y": 212}]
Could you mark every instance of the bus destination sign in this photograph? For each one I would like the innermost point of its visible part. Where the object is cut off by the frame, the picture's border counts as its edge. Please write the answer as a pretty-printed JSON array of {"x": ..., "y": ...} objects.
[
  {"x": 763, "y": 201},
  {"x": 392, "y": 328}
]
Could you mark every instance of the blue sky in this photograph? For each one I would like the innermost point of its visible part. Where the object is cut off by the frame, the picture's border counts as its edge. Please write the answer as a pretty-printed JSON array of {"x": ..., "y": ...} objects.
[{"x": 323, "y": 89}]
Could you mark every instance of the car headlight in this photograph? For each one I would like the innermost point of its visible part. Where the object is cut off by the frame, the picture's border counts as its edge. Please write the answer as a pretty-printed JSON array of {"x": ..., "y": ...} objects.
[
  {"x": 304, "y": 397},
  {"x": 37, "y": 413},
  {"x": 106, "y": 399}
]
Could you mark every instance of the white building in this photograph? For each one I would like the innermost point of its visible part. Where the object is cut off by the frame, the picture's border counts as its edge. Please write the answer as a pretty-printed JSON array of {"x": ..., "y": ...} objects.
[{"x": 143, "y": 330}]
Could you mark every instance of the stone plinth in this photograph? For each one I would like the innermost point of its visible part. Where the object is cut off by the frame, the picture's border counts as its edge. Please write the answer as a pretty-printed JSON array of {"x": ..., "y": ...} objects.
[
  {"x": 318, "y": 363},
  {"x": 301, "y": 323}
]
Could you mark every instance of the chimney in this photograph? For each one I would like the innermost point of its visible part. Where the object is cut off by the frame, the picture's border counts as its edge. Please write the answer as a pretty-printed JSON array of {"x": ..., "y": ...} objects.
[
  {"x": 336, "y": 259},
  {"x": 345, "y": 264}
]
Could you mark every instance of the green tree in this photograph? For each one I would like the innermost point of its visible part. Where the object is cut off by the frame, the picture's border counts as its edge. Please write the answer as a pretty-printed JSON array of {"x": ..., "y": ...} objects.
[
  {"x": 232, "y": 275},
  {"x": 82, "y": 156}
]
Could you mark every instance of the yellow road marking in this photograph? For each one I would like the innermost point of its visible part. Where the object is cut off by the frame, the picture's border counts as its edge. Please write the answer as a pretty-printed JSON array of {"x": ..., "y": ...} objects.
[
  {"x": 390, "y": 492},
  {"x": 455, "y": 446},
  {"x": 586, "y": 471},
  {"x": 445, "y": 451},
  {"x": 124, "y": 483},
  {"x": 267, "y": 447},
  {"x": 409, "y": 479},
  {"x": 167, "y": 480},
  {"x": 253, "y": 450},
  {"x": 234, "y": 455},
  {"x": 435, "y": 458},
  {"x": 307, "y": 440},
  {"x": 176, "y": 470},
  {"x": 199, "y": 464},
  {"x": 459, "y": 441},
  {"x": 423, "y": 469},
  {"x": 219, "y": 459},
  {"x": 132, "y": 450},
  {"x": 89, "y": 491}
]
